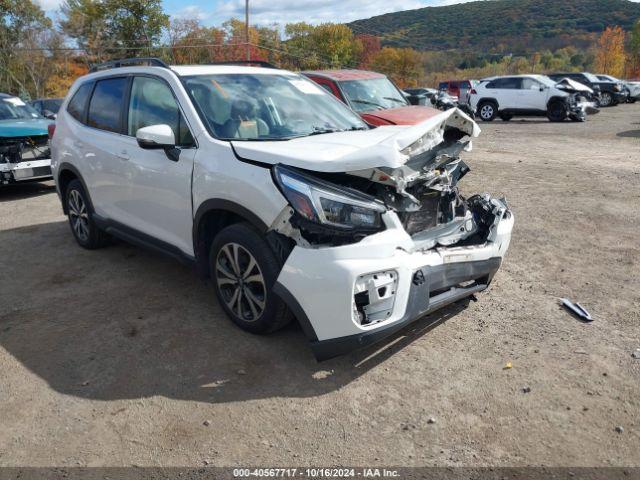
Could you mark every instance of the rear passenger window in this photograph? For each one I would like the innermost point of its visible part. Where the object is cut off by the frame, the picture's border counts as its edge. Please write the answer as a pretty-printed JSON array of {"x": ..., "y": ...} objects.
[
  {"x": 508, "y": 83},
  {"x": 152, "y": 103},
  {"x": 79, "y": 101},
  {"x": 106, "y": 104}
]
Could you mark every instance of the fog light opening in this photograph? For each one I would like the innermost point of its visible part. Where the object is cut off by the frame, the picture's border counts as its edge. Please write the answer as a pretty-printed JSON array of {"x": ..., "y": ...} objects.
[{"x": 374, "y": 297}]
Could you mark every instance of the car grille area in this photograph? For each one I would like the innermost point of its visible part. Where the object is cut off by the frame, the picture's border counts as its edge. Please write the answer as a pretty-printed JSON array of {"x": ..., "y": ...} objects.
[
  {"x": 425, "y": 218},
  {"x": 24, "y": 149}
]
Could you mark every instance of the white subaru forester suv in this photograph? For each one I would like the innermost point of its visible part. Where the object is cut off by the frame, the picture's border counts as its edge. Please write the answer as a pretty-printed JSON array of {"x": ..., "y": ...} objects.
[{"x": 281, "y": 194}]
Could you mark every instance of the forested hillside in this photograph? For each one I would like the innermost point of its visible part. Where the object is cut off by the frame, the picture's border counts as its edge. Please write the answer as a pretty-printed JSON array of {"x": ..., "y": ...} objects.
[{"x": 501, "y": 26}]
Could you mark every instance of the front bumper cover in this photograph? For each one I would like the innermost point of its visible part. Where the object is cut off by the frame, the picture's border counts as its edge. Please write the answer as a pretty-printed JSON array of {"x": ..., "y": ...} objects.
[
  {"x": 27, "y": 171},
  {"x": 318, "y": 283}
]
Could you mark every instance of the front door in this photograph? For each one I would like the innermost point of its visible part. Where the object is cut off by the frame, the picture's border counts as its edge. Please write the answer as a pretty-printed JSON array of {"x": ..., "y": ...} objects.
[{"x": 158, "y": 197}]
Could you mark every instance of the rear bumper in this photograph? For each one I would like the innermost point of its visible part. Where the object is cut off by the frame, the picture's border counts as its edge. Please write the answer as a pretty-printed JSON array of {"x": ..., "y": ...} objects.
[
  {"x": 319, "y": 284},
  {"x": 32, "y": 170}
]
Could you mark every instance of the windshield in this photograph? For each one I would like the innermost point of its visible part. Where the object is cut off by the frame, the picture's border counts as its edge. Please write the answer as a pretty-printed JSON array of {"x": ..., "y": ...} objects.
[
  {"x": 372, "y": 94},
  {"x": 591, "y": 77},
  {"x": 53, "y": 104},
  {"x": 12, "y": 108},
  {"x": 267, "y": 107}
]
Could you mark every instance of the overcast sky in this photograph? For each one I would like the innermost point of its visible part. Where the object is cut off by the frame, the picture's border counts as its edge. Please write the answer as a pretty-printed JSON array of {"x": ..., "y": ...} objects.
[{"x": 213, "y": 12}]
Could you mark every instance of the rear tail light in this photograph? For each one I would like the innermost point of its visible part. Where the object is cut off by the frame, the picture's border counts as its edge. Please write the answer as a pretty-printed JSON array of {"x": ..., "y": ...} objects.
[
  {"x": 473, "y": 92},
  {"x": 51, "y": 129}
]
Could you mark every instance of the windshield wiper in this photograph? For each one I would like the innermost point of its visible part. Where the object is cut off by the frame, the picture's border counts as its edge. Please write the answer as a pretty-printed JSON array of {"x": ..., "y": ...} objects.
[
  {"x": 395, "y": 100},
  {"x": 367, "y": 102}
]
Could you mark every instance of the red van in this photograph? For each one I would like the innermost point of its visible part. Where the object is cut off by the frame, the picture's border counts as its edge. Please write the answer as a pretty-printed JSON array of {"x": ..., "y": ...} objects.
[{"x": 372, "y": 96}]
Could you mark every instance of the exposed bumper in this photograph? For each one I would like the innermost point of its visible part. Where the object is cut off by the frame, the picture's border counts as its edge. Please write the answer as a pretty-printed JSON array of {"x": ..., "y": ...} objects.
[
  {"x": 31, "y": 170},
  {"x": 318, "y": 284}
]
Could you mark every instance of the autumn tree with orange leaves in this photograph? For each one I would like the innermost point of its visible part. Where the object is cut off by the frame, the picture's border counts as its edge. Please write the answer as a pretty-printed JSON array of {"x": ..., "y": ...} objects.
[{"x": 610, "y": 54}]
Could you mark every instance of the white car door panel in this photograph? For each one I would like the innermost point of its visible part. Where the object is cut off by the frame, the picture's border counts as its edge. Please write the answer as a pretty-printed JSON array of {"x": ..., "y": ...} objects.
[
  {"x": 158, "y": 193},
  {"x": 157, "y": 200}
]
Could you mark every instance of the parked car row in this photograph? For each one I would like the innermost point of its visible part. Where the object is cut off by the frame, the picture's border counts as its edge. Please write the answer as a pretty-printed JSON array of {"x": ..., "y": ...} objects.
[
  {"x": 558, "y": 96},
  {"x": 268, "y": 183}
]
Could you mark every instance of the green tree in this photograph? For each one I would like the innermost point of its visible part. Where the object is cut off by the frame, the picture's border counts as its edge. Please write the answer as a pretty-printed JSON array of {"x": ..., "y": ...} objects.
[
  {"x": 107, "y": 28},
  {"x": 24, "y": 31}
]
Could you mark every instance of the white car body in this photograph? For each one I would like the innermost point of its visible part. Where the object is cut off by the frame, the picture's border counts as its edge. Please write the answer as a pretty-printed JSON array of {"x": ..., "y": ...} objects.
[
  {"x": 24, "y": 143},
  {"x": 528, "y": 95},
  {"x": 143, "y": 191}
]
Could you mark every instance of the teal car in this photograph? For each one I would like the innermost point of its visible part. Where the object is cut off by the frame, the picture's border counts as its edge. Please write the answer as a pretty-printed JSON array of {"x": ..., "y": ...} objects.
[{"x": 24, "y": 142}]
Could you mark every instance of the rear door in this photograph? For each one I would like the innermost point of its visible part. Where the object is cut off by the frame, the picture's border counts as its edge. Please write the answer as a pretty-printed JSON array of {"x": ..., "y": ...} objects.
[
  {"x": 157, "y": 197},
  {"x": 99, "y": 142}
]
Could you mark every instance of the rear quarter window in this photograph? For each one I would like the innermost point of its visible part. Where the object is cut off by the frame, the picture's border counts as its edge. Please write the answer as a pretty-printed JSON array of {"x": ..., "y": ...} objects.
[{"x": 78, "y": 102}]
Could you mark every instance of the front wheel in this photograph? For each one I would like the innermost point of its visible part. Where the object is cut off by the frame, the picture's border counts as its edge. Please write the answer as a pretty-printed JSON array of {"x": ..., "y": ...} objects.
[
  {"x": 244, "y": 270},
  {"x": 557, "y": 112},
  {"x": 606, "y": 99},
  {"x": 84, "y": 229}
]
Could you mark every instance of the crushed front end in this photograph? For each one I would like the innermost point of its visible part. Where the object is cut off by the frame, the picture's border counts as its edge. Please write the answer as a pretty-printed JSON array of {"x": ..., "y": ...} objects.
[
  {"x": 24, "y": 158},
  {"x": 377, "y": 248}
]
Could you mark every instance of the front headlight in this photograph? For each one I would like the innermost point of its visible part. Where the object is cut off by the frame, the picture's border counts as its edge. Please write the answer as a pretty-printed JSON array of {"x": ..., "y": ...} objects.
[{"x": 327, "y": 204}]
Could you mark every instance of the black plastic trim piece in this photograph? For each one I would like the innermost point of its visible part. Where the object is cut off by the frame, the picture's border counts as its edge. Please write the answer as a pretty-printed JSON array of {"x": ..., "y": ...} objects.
[
  {"x": 297, "y": 310},
  {"x": 67, "y": 166},
  {"x": 136, "y": 237},
  {"x": 420, "y": 303},
  {"x": 129, "y": 62}
]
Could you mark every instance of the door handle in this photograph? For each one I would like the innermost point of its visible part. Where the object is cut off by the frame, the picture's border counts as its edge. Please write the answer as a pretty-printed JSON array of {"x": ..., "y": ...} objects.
[{"x": 123, "y": 155}]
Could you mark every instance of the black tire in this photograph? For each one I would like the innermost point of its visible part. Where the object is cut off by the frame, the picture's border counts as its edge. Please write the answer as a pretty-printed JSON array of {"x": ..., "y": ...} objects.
[
  {"x": 606, "y": 99},
  {"x": 487, "y": 111},
  {"x": 632, "y": 100},
  {"x": 251, "y": 305},
  {"x": 557, "y": 112},
  {"x": 81, "y": 221},
  {"x": 505, "y": 117}
]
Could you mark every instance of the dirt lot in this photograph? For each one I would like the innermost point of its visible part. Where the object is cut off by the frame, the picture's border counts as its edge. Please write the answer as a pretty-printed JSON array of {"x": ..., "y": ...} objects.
[{"x": 120, "y": 357}]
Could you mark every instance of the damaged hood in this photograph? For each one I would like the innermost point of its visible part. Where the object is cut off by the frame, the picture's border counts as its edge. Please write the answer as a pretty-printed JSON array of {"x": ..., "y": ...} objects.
[
  {"x": 407, "y": 115},
  {"x": 572, "y": 86},
  {"x": 382, "y": 147}
]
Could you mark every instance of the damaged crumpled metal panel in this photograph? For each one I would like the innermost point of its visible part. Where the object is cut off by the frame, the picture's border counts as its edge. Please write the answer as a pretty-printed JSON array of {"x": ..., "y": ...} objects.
[{"x": 354, "y": 151}]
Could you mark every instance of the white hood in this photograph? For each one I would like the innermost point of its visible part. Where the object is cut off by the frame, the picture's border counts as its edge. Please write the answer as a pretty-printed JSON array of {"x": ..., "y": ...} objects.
[
  {"x": 577, "y": 86},
  {"x": 356, "y": 150}
]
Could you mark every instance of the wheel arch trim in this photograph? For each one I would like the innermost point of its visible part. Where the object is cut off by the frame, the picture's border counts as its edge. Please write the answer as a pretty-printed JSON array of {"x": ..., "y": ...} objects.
[
  {"x": 220, "y": 204},
  {"x": 65, "y": 166}
]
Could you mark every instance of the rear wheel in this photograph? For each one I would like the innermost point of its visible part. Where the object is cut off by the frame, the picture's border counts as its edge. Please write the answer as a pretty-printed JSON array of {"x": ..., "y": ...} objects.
[
  {"x": 557, "y": 112},
  {"x": 83, "y": 227},
  {"x": 244, "y": 270},
  {"x": 487, "y": 111}
]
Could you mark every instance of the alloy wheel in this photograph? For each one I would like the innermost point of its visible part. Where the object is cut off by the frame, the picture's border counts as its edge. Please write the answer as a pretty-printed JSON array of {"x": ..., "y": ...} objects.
[
  {"x": 605, "y": 99},
  {"x": 240, "y": 282},
  {"x": 486, "y": 112},
  {"x": 78, "y": 215}
]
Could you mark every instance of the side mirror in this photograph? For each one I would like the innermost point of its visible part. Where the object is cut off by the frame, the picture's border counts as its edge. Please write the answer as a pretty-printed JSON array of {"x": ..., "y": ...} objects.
[
  {"x": 156, "y": 137},
  {"x": 49, "y": 114}
]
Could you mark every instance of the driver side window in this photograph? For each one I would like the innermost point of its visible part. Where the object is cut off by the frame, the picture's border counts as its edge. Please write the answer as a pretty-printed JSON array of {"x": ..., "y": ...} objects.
[
  {"x": 153, "y": 103},
  {"x": 530, "y": 84}
]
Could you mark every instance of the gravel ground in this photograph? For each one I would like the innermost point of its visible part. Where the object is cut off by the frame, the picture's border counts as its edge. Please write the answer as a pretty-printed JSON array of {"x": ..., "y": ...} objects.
[{"x": 121, "y": 357}]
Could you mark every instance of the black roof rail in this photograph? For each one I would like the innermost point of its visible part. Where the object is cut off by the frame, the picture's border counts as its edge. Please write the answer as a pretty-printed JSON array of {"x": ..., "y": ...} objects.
[
  {"x": 259, "y": 63},
  {"x": 127, "y": 62}
]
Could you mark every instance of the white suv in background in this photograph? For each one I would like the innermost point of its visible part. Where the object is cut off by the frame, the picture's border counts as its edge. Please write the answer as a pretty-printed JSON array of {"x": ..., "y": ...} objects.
[
  {"x": 528, "y": 95},
  {"x": 279, "y": 193}
]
